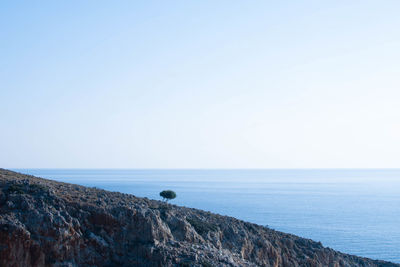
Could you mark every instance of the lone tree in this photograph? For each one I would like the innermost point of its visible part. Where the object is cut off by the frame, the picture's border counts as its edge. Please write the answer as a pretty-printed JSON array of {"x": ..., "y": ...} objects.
[{"x": 167, "y": 195}]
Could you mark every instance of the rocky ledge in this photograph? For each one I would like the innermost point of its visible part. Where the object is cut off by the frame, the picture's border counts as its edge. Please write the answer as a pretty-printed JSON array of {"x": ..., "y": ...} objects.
[{"x": 48, "y": 223}]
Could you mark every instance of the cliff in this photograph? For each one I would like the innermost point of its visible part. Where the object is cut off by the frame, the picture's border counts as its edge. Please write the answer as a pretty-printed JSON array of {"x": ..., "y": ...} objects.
[{"x": 48, "y": 223}]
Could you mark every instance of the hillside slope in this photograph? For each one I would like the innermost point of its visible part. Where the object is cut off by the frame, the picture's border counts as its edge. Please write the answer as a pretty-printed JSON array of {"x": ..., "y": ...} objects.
[{"x": 48, "y": 223}]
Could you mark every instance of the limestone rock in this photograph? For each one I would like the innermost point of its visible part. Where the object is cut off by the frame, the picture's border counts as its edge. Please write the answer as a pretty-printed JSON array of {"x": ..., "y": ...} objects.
[{"x": 48, "y": 223}]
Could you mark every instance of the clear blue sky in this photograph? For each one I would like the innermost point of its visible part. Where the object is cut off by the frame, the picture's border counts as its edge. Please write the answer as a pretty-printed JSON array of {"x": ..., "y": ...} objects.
[{"x": 199, "y": 84}]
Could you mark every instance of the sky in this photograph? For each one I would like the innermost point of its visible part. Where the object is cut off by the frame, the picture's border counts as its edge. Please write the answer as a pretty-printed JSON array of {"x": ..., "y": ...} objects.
[{"x": 200, "y": 84}]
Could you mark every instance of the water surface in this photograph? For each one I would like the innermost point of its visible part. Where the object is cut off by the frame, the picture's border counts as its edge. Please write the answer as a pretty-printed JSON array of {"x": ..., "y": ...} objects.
[{"x": 353, "y": 211}]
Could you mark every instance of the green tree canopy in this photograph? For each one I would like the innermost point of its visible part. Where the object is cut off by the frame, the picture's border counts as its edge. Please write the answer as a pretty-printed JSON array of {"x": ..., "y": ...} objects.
[{"x": 168, "y": 194}]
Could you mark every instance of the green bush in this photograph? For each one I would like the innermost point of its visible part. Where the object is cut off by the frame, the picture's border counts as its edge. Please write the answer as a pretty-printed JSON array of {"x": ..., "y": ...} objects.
[{"x": 168, "y": 194}]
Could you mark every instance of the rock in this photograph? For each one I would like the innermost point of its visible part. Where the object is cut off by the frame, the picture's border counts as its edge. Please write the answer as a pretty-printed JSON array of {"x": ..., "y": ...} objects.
[{"x": 48, "y": 223}]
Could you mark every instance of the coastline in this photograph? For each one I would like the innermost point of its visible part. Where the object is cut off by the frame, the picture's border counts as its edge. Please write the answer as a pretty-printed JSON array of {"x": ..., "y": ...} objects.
[{"x": 93, "y": 226}]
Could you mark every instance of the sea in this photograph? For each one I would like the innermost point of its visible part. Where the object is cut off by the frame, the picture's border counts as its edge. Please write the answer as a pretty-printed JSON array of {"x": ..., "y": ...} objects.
[{"x": 356, "y": 211}]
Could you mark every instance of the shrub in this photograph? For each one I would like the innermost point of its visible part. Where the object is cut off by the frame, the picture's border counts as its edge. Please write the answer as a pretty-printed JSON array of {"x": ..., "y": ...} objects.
[
  {"x": 206, "y": 264},
  {"x": 16, "y": 188},
  {"x": 201, "y": 227},
  {"x": 167, "y": 195},
  {"x": 38, "y": 188}
]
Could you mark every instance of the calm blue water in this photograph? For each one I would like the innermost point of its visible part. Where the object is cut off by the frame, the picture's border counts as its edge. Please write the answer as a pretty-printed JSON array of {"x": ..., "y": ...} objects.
[{"x": 353, "y": 211}]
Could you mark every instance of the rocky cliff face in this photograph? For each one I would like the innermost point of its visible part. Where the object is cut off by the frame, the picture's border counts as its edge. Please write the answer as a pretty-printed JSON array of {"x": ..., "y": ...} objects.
[{"x": 47, "y": 223}]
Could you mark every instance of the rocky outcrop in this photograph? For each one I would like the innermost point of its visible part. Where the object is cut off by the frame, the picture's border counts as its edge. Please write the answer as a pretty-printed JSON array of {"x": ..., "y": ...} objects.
[{"x": 48, "y": 223}]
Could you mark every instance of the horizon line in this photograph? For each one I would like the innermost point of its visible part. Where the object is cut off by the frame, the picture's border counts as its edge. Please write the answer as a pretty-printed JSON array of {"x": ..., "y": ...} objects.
[{"x": 129, "y": 168}]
